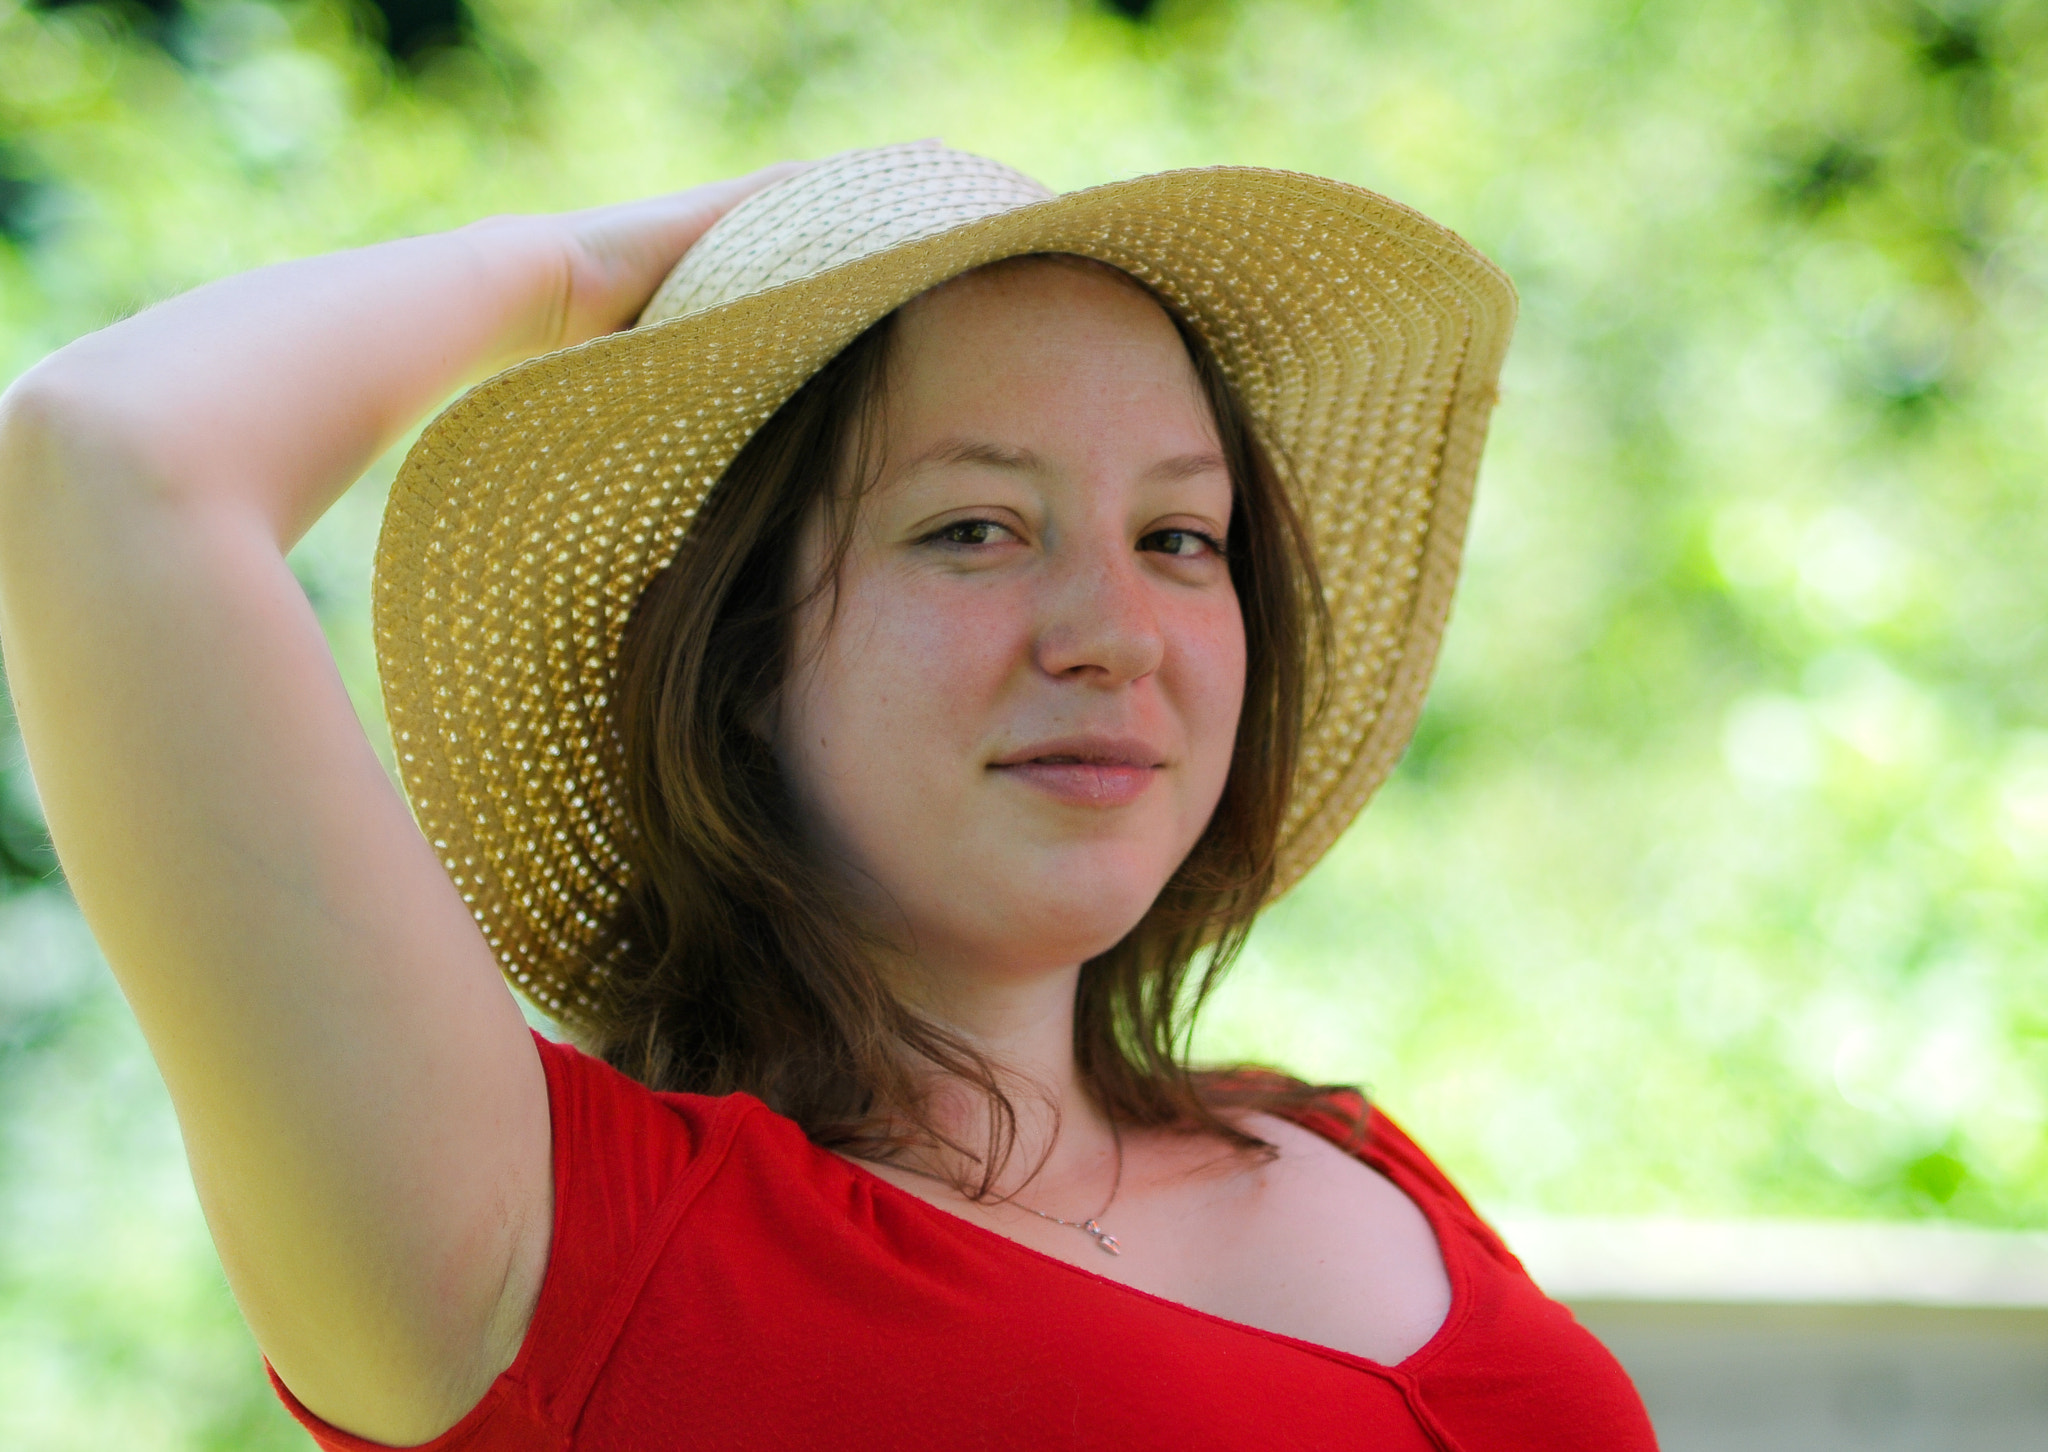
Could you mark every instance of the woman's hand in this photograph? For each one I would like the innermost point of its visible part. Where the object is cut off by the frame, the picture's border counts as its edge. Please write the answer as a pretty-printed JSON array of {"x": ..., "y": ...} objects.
[
  {"x": 365, "y": 1115},
  {"x": 615, "y": 257}
]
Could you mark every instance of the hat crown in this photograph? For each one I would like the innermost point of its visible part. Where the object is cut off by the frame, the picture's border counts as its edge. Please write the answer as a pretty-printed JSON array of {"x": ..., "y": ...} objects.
[{"x": 842, "y": 209}]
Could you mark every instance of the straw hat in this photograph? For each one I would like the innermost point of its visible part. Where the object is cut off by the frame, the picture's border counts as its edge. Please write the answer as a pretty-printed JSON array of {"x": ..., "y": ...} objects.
[{"x": 1364, "y": 339}]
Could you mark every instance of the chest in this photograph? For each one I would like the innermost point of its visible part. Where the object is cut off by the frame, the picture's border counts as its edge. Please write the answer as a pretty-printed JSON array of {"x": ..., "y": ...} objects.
[
  {"x": 847, "y": 1314},
  {"x": 783, "y": 1298},
  {"x": 1308, "y": 1243}
]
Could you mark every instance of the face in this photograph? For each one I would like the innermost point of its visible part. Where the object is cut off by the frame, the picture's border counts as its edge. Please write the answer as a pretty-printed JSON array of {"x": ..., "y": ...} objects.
[{"x": 1019, "y": 717}]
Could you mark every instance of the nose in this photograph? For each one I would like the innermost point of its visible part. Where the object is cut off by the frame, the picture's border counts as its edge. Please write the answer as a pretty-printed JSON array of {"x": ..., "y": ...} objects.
[{"x": 1099, "y": 617}]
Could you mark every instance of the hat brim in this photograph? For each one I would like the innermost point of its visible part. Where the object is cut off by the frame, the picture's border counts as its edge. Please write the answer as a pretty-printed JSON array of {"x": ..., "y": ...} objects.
[{"x": 1364, "y": 339}]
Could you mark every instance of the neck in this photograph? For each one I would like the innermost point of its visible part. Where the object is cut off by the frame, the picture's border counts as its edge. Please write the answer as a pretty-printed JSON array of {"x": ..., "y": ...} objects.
[{"x": 1025, "y": 1028}]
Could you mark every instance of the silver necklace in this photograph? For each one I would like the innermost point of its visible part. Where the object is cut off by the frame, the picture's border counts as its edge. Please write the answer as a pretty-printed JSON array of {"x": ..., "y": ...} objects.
[{"x": 1092, "y": 1226}]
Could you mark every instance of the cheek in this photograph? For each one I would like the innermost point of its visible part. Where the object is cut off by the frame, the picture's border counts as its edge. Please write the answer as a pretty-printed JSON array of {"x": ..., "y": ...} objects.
[
  {"x": 885, "y": 715},
  {"x": 1210, "y": 689}
]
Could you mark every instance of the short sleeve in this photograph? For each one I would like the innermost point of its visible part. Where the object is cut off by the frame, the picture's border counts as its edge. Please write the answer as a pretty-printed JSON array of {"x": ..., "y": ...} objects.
[{"x": 626, "y": 1164}]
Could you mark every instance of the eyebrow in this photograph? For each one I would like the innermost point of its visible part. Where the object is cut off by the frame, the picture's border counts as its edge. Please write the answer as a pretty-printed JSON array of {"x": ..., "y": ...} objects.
[
  {"x": 977, "y": 451},
  {"x": 1023, "y": 461},
  {"x": 1188, "y": 466}
]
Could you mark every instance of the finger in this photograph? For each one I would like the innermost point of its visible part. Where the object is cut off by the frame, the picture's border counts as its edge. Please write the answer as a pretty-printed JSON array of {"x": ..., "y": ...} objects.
[
  {"x": 628, "y": 247},
  {"x": 670, "y": 224},
  {"x": 714, "y": 199},
  {"x": 769, "y": 175}
]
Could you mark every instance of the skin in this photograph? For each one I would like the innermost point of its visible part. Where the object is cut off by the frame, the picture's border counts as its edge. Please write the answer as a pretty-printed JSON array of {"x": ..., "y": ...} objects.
[{"x": 363, "y": 1110}]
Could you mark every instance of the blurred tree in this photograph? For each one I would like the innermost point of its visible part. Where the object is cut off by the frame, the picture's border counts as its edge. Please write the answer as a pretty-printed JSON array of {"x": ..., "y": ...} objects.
[
  {"x": 154, "y": 20},
  {"x": 20, "y": 192},
  {"x": 410, "y": 30},
  {"x": 25, "y": 856},
  {"x": 1717, "y": 877}
]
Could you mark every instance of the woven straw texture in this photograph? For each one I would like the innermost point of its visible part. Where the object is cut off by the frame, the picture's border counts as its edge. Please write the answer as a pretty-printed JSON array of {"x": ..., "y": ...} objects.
[{"x": 1365, "y": 339}]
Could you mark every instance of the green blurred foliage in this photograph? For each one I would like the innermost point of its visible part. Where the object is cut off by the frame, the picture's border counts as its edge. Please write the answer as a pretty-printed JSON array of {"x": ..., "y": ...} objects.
[{"x": 1714, "y": 881}]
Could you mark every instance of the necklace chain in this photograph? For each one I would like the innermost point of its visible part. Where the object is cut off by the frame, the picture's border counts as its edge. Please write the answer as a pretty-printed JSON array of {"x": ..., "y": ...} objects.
[{"x": 1092, "y": 1226}]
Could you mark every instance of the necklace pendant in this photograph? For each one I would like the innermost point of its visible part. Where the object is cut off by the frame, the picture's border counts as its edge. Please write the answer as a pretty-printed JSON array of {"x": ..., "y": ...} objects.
[{"x": 1102, "y": 1237}]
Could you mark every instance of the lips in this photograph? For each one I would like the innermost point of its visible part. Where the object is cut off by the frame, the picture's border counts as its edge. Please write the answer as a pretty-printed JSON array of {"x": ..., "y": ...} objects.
[{"x": 1085, "y": 771}]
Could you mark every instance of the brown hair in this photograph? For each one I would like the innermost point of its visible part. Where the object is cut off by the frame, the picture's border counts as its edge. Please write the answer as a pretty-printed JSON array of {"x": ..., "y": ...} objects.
[{"x": 745, "y": 970}]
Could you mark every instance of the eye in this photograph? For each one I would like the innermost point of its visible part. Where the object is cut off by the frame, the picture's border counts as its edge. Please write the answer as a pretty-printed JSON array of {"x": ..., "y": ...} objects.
[
  {"x": 1186, "y": 544},
  {"x": 967, "y": 532}
]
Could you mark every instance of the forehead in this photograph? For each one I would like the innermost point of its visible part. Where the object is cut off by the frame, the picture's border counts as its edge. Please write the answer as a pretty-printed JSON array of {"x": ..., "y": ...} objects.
[
  {"x": 1052, "y": 342},
  {"x": 1035, "y": 289}
]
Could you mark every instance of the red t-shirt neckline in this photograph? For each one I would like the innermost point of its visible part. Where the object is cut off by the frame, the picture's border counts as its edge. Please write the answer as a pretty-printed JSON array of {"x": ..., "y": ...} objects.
[{"x": 1327, "y": 1128}]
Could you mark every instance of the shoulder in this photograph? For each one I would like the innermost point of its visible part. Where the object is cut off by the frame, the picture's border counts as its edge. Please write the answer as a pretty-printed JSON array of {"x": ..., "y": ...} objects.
[
  {"x": 1322, "y": 1187},
  {"x": 622, "y": 1151},
  {"x": 587, "y": 1093},
  {"x": 628, "y": 1163}
]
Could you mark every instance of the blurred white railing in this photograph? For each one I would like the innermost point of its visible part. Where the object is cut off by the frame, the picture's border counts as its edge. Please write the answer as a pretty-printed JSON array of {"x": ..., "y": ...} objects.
[
  {"x": 1839, "y": 1262},
  {"x": 1812, "y": 1336}
]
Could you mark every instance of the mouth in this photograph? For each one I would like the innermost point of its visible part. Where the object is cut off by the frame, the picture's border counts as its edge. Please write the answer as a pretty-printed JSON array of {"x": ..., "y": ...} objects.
[{"x": 1085, "y": 772}]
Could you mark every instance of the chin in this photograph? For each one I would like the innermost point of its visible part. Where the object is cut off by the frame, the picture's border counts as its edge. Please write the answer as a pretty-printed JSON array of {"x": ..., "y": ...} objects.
[{"x": 1071, "y": 915}]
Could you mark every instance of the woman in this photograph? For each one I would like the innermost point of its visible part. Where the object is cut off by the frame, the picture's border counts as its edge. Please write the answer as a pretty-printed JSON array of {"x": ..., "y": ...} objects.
[{"x": 1071, "y": 575}]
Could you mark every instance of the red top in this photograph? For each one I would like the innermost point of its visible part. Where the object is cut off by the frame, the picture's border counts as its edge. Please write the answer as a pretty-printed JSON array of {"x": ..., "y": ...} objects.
[{"x": 718, "y": 1281}]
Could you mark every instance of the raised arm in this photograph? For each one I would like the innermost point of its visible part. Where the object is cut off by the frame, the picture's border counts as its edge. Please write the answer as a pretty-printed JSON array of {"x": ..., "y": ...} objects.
[{"x": 365, "y": 1115}]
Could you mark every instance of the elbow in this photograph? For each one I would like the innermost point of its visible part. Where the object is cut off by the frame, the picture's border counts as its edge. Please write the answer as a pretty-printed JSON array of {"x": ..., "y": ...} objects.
[
  {"x": 63, "y": 464},
  {"x": 59, "y": 429},
  {"x": 35, "y": 414}
]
